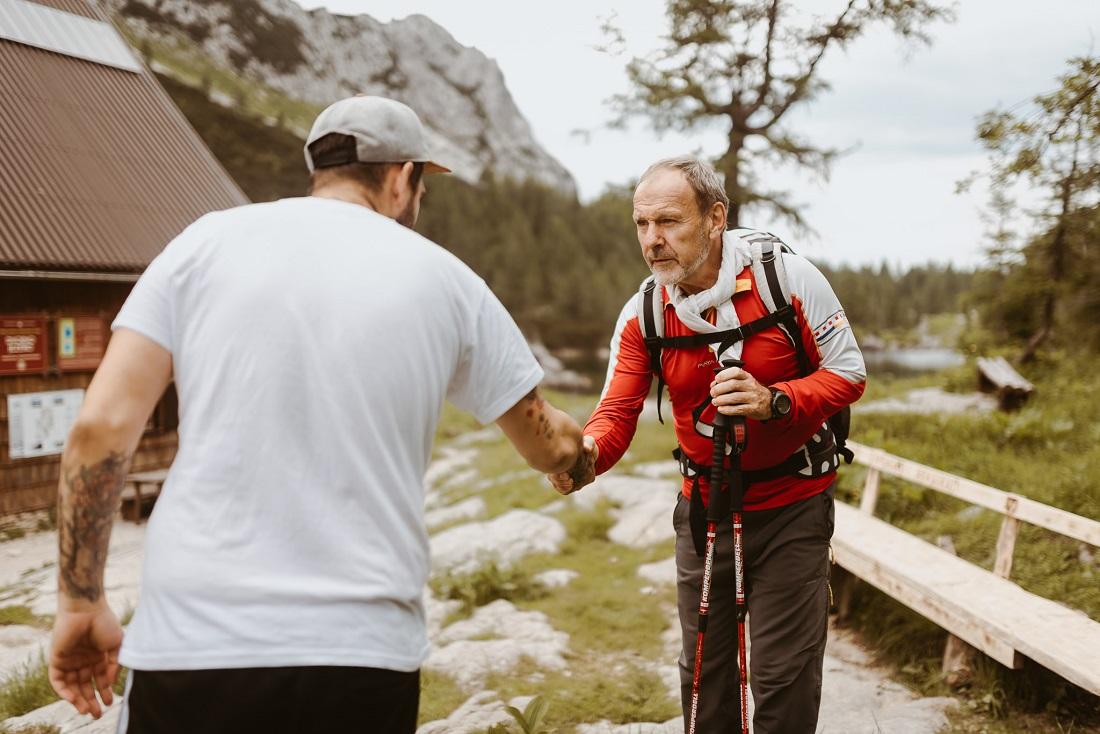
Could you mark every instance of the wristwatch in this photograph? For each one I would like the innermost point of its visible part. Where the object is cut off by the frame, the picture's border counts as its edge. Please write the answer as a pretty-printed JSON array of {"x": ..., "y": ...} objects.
[{"x": 781, "y": 403}]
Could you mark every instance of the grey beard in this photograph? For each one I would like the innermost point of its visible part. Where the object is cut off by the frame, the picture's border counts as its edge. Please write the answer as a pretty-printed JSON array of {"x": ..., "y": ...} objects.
[{"x": 675, "y": 278}]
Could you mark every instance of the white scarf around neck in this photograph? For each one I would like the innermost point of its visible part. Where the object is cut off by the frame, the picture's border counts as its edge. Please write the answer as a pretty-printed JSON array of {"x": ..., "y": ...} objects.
[{"x": 690, "y": 308}]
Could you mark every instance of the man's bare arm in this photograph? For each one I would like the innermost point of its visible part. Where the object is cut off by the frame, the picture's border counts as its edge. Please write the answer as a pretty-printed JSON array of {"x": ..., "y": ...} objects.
[
  {"x": 134, "y": 373},
  {"x": 548, "y": 438},
  {"x": 86, "y": 633},
  {"x": 88, "y": 501}
]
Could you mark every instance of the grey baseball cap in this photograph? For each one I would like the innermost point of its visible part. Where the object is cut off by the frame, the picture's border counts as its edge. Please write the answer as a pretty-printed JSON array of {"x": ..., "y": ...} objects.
[{"x": 385, "y": 131}]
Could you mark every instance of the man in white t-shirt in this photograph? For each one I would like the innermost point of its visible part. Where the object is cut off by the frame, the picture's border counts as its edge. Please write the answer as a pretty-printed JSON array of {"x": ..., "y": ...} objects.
[{"x": 312, "y": 342}]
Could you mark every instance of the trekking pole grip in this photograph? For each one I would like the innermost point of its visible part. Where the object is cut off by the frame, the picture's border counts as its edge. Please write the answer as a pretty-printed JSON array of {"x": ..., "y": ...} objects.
[
  {"x": 735, "y": 424},
  {"x": 719, "y": 499}
]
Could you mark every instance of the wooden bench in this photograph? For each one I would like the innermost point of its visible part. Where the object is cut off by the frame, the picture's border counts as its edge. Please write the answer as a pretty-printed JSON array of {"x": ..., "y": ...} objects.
[
  {"x": 983, "y": 608},
  {"x": 139, "y": 487},
  {"x": 997, "y": 376}
]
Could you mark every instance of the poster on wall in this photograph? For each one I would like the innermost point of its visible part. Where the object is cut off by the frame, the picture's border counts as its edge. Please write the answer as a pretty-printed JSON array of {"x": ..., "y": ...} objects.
[
  {"x": 80, "y": 342},
  {"x": 39, "y": 422},
  {"x": 22, "y": 344}
]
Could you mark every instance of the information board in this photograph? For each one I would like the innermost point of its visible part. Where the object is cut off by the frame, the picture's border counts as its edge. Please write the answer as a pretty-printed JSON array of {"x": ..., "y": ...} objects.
[
  {"x": 22, "y": 344},
  {"x": 39, "y": 422},
  {"x": 80, "y": 342}
]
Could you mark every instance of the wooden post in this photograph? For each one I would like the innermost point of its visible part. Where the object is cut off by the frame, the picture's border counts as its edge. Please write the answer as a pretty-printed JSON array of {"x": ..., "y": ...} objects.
[
  {"x": 842, "y": 584},
  {"x": 1006, "y": 542},
  {"x": 958, "y": 655},
  {"x": 869, "y": 498},
  {"x": 958, "y": 662}
]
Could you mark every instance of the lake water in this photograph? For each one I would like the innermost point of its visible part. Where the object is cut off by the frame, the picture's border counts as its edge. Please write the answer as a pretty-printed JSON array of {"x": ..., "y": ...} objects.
[
  {"x": 911, "y": 360},
  {"x": 895, "y": 361}
]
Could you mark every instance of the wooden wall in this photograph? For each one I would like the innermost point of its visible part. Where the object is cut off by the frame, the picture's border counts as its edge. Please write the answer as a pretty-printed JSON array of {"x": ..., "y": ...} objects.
[{"x": 31, "y": 484}]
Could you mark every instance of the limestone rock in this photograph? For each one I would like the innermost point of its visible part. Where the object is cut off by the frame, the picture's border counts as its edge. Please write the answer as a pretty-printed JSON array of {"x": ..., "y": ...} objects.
[
  {"x": 480, "y": 711},
  {"x": 504, "y": 540},
  {"x": 20, "y": 643},
  {"x": 62, "y": 715},
  {"x": 462, "y": 511},
  {"x": 672, "y": 726},
  {"x": 931, "y": 401},
  {"x": 558, "y": 376},
  {"x": 659, "y": 572},
  {"x": 643, "y": 515},
  {"x": 318, "y": 57},
  {"x": 495, "y": 639},
  {"x": 556, "y": 577}
]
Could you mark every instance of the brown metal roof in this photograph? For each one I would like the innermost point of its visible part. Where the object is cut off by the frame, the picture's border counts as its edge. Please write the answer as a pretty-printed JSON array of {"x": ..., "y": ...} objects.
[{"x": 98, "y": 168}]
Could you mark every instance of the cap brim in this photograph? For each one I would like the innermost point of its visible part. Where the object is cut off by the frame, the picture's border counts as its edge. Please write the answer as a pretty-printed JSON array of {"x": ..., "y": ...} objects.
[{"x": 433, "y": 167}]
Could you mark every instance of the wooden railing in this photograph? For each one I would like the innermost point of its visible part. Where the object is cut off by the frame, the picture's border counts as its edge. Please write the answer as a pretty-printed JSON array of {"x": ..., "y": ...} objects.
[
  {"x": 1013, "y": 507},
  {"x": 981, "y": 610}
]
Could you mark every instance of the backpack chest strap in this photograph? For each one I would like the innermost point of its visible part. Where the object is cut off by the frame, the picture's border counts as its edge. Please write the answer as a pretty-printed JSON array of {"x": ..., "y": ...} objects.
[{"x": 727, "y": 337}]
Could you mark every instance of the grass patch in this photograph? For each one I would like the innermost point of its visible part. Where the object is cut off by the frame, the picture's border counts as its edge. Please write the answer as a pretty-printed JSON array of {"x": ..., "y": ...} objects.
[
  {"x": 440, "y": 695},
  {"x": 487, "y": 583},
  {"x": 13, "y": 532},
  {"x": 652, "y": 442},
  {"x": 185, "y": 61},
  {"x": 590, "y": 690},
  {"x": 586, "y": 525},
  {"x": 454, "y": 423},
  {"x": 528, "y": 490},
  {"x": 26, "y": 689},
  {"x": 22, "y": 614},
  {"x": 603, "y": 609}
]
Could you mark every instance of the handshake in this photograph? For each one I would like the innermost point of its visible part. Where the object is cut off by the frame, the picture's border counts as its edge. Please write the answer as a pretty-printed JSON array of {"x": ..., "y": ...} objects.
[{"x": 581, "y": 473}]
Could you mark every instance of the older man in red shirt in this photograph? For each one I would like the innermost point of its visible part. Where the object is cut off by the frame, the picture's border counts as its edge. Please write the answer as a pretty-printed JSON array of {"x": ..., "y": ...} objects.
[{"x": 706, "y": 282}]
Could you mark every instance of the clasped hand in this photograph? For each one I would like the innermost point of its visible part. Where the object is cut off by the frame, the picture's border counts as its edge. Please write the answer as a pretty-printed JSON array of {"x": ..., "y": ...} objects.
[
  {"x": 735, "y": 392},
  {"x": 581, "y": 473}
]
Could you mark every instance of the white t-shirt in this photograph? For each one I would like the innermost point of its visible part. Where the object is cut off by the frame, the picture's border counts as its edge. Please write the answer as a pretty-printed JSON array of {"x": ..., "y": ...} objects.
[{"x": 313, "y": 343}]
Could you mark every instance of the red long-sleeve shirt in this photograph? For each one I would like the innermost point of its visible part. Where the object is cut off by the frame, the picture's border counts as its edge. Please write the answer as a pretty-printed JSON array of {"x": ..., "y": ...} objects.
[{"x": 837, "y": 381}]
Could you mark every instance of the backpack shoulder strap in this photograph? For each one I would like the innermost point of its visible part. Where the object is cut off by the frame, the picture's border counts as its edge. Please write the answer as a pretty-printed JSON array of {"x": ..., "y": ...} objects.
[
  {"x": 771, "y": 278},
  {"x": 651, "y": 322},
  {"x": 768, "y": 269}
]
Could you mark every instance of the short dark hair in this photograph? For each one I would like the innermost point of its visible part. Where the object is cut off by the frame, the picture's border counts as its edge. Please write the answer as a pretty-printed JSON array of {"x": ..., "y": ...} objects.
[{"x": 369, "y": 175}]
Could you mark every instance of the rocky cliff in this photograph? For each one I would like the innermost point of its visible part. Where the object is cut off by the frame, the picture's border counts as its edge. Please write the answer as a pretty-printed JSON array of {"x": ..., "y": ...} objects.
[{"x": 317, "y": 57}]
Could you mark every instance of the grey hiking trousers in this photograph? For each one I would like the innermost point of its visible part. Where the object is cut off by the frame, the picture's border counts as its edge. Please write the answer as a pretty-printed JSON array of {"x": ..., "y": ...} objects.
[{"x": 787, "y": 564}]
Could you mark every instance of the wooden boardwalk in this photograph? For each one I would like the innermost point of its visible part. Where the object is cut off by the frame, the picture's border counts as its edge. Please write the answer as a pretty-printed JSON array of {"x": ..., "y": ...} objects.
[{"x": 983, "y": 608}]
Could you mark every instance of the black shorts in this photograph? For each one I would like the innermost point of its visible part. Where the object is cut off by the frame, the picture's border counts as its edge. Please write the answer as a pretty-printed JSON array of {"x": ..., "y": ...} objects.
[{"x": 297, "y": 700}]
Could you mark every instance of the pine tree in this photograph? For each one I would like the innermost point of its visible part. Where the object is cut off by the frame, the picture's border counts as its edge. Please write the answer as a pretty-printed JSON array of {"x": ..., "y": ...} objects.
[
  {"x": 746, "y": 64},
  {"x": 1052, "y": 147}
]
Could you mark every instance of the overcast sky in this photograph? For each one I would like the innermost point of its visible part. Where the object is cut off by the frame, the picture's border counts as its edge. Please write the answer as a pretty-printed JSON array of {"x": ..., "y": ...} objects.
[{"x": 907, "y": 114}]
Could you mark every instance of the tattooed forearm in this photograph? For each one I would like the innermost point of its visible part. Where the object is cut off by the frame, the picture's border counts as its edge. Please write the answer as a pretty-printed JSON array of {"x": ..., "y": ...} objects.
[
  {"x": 536, "y": 411},
  {"x": 86, "y": 510}
]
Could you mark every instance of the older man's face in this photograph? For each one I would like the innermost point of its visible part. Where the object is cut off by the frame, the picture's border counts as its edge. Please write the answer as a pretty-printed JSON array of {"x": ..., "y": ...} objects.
[{"x": 671, "y": 229}]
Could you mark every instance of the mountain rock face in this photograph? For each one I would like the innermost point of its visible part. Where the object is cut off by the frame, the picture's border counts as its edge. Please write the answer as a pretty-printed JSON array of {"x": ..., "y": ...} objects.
[{"x": 319, "y": 57}]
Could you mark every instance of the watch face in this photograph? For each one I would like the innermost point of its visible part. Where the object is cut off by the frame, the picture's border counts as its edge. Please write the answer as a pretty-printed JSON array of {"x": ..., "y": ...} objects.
[{"x": 781, "y": 403}]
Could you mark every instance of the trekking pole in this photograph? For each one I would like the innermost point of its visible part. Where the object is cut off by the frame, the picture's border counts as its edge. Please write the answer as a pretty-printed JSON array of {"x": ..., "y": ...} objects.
[
  {"x": 739, "y": 439},
  {"x": 717, "y": 508}
]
